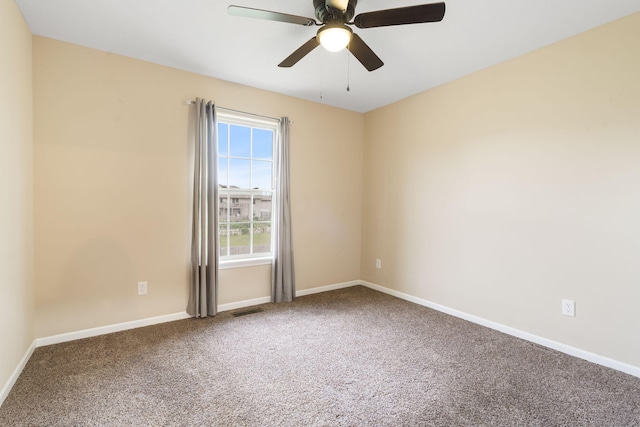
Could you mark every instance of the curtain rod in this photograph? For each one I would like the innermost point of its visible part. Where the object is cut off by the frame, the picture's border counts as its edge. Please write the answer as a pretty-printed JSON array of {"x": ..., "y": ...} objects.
[{"x": 192, "y": 101}]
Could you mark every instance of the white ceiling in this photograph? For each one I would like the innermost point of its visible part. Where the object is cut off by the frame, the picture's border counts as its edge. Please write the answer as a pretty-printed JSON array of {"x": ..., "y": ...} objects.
[{"x": 199, "y": 36}]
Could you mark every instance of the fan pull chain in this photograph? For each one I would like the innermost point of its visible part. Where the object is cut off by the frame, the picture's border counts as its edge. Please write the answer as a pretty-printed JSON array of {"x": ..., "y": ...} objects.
[
  {"x": 321, "y": 72},
  {"x": 348, "y": 62}
]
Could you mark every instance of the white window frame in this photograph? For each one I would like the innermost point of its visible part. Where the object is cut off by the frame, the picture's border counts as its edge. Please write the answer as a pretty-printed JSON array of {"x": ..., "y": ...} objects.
[{"x": 256, "y": 122}]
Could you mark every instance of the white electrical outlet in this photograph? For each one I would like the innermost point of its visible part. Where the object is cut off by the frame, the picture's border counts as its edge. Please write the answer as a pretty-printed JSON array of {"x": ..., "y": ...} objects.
[
  {"x": 142, "y": 288},
  {"x": 569, "y": 307},
  {"x": 378, "y": 263}
]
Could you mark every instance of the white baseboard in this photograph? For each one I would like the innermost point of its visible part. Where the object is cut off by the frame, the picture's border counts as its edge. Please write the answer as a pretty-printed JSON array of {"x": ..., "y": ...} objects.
[
  {"x": 243, "y": 304},
  {"x": 101, "y": 330},
  {"x": 563, "y": 348},
  {"x": 16, "y": 373},
  {"x": 299, "y": 293},
  {"x": 326, "y": 288}
]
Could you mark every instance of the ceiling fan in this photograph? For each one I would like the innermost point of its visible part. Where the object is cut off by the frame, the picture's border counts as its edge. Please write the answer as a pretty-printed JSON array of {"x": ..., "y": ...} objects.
[{"x": 334, "y": 34}]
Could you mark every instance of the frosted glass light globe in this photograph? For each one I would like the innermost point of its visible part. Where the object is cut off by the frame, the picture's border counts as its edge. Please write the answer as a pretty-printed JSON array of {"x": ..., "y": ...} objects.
[{"x": 334, "y": 38}]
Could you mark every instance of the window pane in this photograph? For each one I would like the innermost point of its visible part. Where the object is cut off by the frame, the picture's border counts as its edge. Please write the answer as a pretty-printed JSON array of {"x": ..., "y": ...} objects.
[
  {"x": 261, "y": 237},
  {"x": 223, "y": 130},
  {"x": 239, "y": 173},
  {"x": 239, "y": 240},
  {"x": 240, "y": 141},
  {"x": 261, "y": 174},
  {"x": 262, "y": 144},
  {"x": 222, "y": 171},
  {"x": 239, "y": 207},
  {"x": 262, "y": 207}
]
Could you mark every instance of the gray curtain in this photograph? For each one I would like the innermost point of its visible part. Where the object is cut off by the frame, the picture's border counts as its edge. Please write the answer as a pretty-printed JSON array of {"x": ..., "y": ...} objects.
[
  {"x": 203, "y": 293},
  {"x": 283, "y": 284}
]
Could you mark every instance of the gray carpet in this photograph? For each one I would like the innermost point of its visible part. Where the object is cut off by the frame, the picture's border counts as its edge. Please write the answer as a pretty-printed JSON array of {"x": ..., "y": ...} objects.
[{"x": 351, "y": 357}]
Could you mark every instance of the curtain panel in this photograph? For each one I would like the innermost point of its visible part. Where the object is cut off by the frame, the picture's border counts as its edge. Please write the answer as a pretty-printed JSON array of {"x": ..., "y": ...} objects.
[
  {"x": 283, "y": 286},
  {"x": 203, "y": 290}
]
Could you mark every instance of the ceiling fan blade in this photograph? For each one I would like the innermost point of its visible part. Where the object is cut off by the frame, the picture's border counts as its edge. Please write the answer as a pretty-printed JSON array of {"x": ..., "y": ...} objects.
[
  {"x": 337, "y": 6},
  {"x": 363, "y": 52},
  {"x": 300, "y": 53},
  {"x": 433, "y": 12},
  {"x": 248, "y": 12}
]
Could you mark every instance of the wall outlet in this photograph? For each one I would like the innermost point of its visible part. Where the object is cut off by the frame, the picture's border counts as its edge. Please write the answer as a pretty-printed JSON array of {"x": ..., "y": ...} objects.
[
  {"x": 378, "y": 263},
  {"x": 142, "y": 288},
  {"x": 569, "y": 307}
]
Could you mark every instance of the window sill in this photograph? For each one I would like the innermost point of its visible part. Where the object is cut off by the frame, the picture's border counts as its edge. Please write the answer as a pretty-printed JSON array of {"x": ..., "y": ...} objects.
[{"x": 246, "y": 262}]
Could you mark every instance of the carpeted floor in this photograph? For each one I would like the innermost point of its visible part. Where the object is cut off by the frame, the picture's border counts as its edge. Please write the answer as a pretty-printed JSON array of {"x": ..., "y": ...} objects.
[{"x": 351, "y": 357}]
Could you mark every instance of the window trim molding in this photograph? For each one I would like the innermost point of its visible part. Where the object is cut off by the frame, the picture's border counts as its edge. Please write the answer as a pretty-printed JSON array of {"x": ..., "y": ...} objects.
[
  {"x": 246, "y": 119},
  {"x": 226, "y": 264},
  {"x": 259, "y": 122}
]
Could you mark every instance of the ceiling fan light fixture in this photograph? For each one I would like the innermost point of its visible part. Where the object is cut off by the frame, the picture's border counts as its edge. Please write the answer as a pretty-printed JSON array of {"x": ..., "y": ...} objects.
[{"x": 334, "y": 38}]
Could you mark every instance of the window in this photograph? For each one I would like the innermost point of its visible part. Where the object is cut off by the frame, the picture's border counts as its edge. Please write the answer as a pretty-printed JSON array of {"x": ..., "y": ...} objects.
[{"x": 246, "y": 186}]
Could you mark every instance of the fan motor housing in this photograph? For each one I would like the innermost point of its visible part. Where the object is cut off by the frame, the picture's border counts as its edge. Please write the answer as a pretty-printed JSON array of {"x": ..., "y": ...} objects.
[{"x": 325, "y": 16}]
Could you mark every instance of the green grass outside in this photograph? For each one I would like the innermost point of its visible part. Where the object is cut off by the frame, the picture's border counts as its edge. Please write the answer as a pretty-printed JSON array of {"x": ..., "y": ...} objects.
[{"x": 244, "y": 240}]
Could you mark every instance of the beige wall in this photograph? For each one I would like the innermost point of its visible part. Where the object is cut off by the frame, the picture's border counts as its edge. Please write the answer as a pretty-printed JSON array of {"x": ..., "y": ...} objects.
[
  {"x": 112, "y": 187},
  {"x": 16, "y": 190},
  {"x": 503, "y": 192}
]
